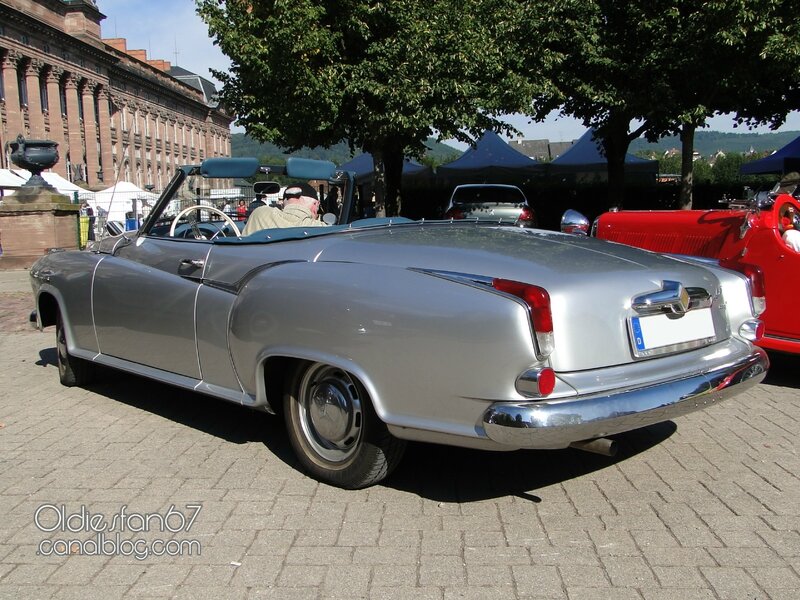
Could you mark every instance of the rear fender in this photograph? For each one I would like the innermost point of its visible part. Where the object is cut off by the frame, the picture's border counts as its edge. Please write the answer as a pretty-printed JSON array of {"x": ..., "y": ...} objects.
[{"x": 421, "y": 345}]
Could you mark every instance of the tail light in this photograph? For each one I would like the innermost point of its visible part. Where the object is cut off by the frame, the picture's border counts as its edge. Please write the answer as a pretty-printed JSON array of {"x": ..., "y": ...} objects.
[
  {"x": 454, "y": 213},
  {"x": 537, "y": 383},
  {"x": 756, "y": 278},
  {"x": 752, "y": 330},
  {"x": 527, "y": 218},
  {"x": 538, "y": 301}
]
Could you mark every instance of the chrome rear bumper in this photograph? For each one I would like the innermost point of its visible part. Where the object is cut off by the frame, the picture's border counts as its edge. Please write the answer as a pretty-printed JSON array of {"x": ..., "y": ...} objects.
[{"x": 556, "y": 424}]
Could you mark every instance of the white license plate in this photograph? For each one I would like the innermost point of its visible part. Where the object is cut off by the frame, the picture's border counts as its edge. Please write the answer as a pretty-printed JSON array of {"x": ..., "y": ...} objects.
[{"x": 658, "y": 334}]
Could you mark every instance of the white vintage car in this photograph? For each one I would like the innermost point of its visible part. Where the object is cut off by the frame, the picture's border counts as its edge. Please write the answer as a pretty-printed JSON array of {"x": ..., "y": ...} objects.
[{"x": 366, "y": 334}]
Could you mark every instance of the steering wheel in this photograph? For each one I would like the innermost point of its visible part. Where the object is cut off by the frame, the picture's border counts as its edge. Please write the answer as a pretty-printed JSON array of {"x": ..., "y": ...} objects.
[{"x": 195, "y": 207}]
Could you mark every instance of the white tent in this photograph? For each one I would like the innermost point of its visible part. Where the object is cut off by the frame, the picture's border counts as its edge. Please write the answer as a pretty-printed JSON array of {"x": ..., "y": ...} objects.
[
  {"x": 63, "y": 186},
  {"x": 122, "y": 198},
  {"x": 9, "y": 181}
]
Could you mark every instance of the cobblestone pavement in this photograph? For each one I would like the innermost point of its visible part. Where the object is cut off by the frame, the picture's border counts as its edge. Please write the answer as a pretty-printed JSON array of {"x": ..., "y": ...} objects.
[{"x": 706, "y": 507}]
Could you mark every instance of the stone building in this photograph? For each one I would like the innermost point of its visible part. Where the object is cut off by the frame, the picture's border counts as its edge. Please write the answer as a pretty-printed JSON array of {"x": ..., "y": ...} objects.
[{"x": 115, "y": 114}]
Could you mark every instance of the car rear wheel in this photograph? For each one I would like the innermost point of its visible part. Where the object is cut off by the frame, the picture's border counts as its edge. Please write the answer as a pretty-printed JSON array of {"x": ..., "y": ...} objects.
[
  {"x": 72, "y": 371},
  {"x": 334, "y": 430}
]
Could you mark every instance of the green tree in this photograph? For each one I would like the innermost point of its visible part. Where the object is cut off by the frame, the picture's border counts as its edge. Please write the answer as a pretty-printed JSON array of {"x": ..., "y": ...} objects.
[
  {"x": 726, "y": 169},
  {"x": 382, "y": 76},
  {"x": 607, "y": 72},
  {"x": 654, "y": 68},
  {"x": 722, "y": 59}
]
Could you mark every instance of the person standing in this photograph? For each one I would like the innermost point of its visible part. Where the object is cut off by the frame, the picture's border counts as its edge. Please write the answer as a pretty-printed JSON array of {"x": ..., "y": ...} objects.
[{"x": 88, "y": 211}]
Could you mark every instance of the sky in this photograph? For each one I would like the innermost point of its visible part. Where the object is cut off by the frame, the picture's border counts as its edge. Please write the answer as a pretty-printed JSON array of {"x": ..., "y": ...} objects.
[{"x": 171, "y": 30}]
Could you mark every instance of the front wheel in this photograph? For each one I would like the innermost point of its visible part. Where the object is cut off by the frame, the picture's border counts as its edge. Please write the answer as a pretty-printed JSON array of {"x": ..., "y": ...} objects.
[
  {"x": 334, "y": 430},
  {"x": 72, "y": 371}
]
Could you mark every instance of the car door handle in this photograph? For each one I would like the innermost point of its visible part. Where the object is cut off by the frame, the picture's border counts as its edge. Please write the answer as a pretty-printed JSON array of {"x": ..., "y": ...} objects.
[
  {"x": 189, "y": 268},
  {"x": 197, "y": 263}
]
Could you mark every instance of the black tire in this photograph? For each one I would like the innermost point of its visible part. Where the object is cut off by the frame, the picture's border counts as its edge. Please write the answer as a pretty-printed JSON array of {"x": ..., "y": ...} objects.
[
  {"x": 72, "y": 371},
  {"x": 334, "y": 430}
]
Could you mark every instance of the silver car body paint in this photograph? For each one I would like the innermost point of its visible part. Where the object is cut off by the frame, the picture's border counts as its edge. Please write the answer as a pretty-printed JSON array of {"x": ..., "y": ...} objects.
[{"x": 439, "y": 356}]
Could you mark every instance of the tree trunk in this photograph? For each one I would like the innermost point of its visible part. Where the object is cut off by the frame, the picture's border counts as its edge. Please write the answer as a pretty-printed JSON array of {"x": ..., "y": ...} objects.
[
  {"x": 388, "y": 171},
  {"x": 615, "y": 144},
  {"x": 378, "y": 182},
  {"x": 687, "y": 165}
]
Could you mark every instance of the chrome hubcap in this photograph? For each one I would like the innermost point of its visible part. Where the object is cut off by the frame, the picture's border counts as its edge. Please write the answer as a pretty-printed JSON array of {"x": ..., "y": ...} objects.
[{"x": 330, "y": 412}]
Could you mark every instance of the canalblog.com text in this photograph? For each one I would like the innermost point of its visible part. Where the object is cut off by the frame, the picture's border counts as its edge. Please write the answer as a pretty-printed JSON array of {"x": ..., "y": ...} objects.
[{"x": 85, "y": 533}]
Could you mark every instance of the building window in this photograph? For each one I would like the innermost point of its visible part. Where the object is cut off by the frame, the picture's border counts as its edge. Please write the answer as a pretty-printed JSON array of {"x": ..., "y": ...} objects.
[
  {"x": 2, "y": 86},
  {"x": 62, "y": 97},
  {"x": 22, "y": 86},
  {"x": 43, "y": 92}
]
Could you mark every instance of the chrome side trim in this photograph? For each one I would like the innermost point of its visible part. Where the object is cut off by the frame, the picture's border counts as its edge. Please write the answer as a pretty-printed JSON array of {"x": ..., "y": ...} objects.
[
  {"x": 558, "y": 423},
  {"x": 181, "y": 381}
]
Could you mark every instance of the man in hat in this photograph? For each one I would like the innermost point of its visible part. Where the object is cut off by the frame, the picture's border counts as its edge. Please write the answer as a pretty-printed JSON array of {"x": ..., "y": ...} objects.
[{"x": 300, "y": 209}]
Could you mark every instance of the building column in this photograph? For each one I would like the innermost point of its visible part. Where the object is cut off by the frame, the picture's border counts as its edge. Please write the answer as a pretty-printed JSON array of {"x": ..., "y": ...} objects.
[
  {"x": 56, "y": 119},
  {"x": 106, "y": 149},
  {"x": 74, "y": 127},
  {"x": 16, "y": 124},
  {"x": 90, "y": 131},
  {"x": 149, "y": 151},
  {"x": 124, "y": 139},
  {"x": 35, "y": 114}
]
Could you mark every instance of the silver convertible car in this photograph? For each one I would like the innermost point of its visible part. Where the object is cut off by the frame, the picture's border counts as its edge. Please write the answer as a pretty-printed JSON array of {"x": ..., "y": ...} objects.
[{"x": 366, "y": 334}]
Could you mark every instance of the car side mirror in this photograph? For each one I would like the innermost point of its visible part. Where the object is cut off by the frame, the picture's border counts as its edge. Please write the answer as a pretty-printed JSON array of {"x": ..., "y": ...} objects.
[{"x": 574, "y": 222}]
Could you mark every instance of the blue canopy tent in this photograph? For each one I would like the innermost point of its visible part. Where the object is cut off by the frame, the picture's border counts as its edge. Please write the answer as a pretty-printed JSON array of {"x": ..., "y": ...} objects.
[
  {"x": 585, "y": 160},
  {"x": 785, "y": 160},
  {"x": 491, "y": 160},
  {"x": 363, "y": 165}
]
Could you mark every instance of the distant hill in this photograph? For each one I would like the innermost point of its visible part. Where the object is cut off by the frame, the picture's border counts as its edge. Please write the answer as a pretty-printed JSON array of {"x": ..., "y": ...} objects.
[
  {"x": 243, "y": 145},
  {"x": 708, "y": 143}
]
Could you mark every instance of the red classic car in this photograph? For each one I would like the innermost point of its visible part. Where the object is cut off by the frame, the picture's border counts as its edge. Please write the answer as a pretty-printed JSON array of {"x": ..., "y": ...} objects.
[{"x": 747, "y": 237}]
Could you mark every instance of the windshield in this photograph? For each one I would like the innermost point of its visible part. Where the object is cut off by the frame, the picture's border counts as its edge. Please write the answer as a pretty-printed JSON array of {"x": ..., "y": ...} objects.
[
  {"x": 195, "y": 206},
  {"x": 482, "y": 194}
]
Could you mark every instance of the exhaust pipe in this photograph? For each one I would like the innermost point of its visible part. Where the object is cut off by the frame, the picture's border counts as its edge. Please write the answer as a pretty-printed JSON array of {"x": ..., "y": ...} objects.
[{"x": 602, "y": 446}]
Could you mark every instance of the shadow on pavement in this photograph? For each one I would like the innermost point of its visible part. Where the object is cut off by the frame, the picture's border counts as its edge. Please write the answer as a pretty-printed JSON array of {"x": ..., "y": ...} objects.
[
  {"x": 219, "y": 418},
  {"x": 47, "y": 358},
  {"x": 440, "y": 473},
  {"x": 783, "y": 370},
  {"x": 448, "y": 474}
]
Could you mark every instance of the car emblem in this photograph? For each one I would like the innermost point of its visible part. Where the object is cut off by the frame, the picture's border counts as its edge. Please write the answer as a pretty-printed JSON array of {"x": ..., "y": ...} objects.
[{"x": 672, "y": 297}]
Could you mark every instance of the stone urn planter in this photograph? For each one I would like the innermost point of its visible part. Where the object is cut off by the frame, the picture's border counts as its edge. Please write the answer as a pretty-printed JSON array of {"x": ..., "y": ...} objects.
[
  {"x": 34, "y": 156},
  {"x": 35, "y": 218}
]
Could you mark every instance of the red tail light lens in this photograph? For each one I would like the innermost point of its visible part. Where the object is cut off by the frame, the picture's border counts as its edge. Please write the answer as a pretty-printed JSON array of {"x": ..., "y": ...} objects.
[
  {"x": 454, "y": 213},
  {"x": 538, "y": 301},
  {"x": 527, "y": 217},
  {"x": 547, "y": 381},
  {"x": 755, "y": 276}
]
